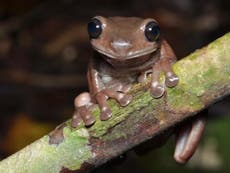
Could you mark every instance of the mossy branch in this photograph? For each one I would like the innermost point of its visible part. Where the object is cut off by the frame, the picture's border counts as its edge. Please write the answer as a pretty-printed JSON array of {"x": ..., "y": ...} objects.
[{"x": 204, "y": 78}]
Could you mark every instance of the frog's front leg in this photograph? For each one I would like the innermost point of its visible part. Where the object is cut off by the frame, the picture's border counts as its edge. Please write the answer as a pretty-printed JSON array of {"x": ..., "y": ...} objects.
[
  {"x": 164, "y": 64},
  {"x": 101, "y": 90},
  {"x": 99, "y": 94}
]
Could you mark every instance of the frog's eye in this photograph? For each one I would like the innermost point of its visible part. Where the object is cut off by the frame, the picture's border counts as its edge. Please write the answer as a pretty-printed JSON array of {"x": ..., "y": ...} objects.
[
  {"x": 94, "y": 28},
  {"x": 152, "y": 31}
]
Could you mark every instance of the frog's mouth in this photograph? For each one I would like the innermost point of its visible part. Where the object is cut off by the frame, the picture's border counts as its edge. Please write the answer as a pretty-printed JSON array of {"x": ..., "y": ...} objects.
[
  {"x": 137, "y": 60},
  {"x": 124, "y": 56}
]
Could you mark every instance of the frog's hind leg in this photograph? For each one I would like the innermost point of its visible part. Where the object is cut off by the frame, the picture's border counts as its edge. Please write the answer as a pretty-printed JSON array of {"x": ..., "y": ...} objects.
[
  {"x": 188, "y": 139},
  {"x": 82, "y": 104}
]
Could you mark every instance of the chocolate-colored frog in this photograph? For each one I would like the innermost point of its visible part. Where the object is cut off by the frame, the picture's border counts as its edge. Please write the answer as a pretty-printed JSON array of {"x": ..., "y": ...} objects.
[{"x": 126, "y": 50}]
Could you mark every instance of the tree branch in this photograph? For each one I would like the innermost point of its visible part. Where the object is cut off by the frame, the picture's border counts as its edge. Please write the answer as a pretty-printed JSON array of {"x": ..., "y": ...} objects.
[{"x": 204, "y": 79}]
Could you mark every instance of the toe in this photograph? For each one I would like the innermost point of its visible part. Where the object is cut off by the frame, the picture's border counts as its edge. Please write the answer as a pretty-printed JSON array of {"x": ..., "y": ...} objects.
[
  {"x": 106, "y": 113},
  {"x": 125, "y": 100},
  {"x": 157, "y": 90},
  {"x": 89, "y": 120},
  {"x": 76, "y": 120},
  {"x": 171, "y": 79}
]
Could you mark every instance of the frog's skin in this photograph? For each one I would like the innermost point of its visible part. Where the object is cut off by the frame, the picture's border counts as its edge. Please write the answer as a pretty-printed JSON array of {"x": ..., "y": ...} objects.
[{"x": 126, "y": 50}]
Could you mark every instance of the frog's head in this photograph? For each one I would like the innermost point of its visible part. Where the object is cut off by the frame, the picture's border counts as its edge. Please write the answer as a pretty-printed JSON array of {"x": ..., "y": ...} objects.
[{"x": 124, "y": 38}]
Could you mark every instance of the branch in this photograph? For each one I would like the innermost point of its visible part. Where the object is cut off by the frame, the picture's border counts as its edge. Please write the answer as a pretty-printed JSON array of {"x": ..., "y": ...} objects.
[{"x": 204, "y": 79}]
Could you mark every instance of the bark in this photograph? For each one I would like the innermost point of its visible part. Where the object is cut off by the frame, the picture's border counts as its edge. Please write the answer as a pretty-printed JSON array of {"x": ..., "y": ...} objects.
[{"x": 204, "y": 79}]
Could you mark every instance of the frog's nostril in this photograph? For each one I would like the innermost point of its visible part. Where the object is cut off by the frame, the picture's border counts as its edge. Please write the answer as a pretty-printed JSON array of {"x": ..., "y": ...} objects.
[{"x": 121, "y": 45}]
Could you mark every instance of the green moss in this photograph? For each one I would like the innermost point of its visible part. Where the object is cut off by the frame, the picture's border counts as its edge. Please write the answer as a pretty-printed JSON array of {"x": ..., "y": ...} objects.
[
  {"x": 142, "y": 99},
  {"x": 144, "y": 106},
  {"x": 43, "y": 157},
  {"x": 77, "y": 142},
  {"x": 182, "y": 100},
  {"x": 204, "y": 70}
]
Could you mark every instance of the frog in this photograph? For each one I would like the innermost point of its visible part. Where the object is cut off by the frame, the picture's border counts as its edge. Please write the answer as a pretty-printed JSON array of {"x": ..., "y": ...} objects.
[{"x": 127, "y": 50}]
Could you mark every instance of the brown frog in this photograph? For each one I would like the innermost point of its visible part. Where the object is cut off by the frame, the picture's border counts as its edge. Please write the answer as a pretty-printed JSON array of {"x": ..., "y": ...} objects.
[{"x": 126, "y": 50}]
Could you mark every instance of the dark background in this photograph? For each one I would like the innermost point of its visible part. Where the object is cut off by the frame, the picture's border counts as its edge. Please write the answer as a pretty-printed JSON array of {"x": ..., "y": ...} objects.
[{"x": 44, "y": 51}]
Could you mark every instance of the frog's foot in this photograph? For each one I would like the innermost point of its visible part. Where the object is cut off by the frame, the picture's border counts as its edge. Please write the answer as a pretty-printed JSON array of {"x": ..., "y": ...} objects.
[
  {"x": 83, "y": 106},
  {"x": 102, "y": 97},
  {"x": 82, "y": 113},
  {"x": 187, "y": 140},
  {"x": 122, "y": 98},
  {"x": 76, "y": 119},
  {"x": 125, "y": 88},
  {"x": 171, "y": 79},
  {"x": 157, "y": 89}
]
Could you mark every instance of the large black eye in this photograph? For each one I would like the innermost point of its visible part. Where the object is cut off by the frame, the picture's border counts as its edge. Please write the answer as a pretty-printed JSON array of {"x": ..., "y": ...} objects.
[
  {"x": 94, "y": 28},
  {"x": 152, "y": 31}
]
